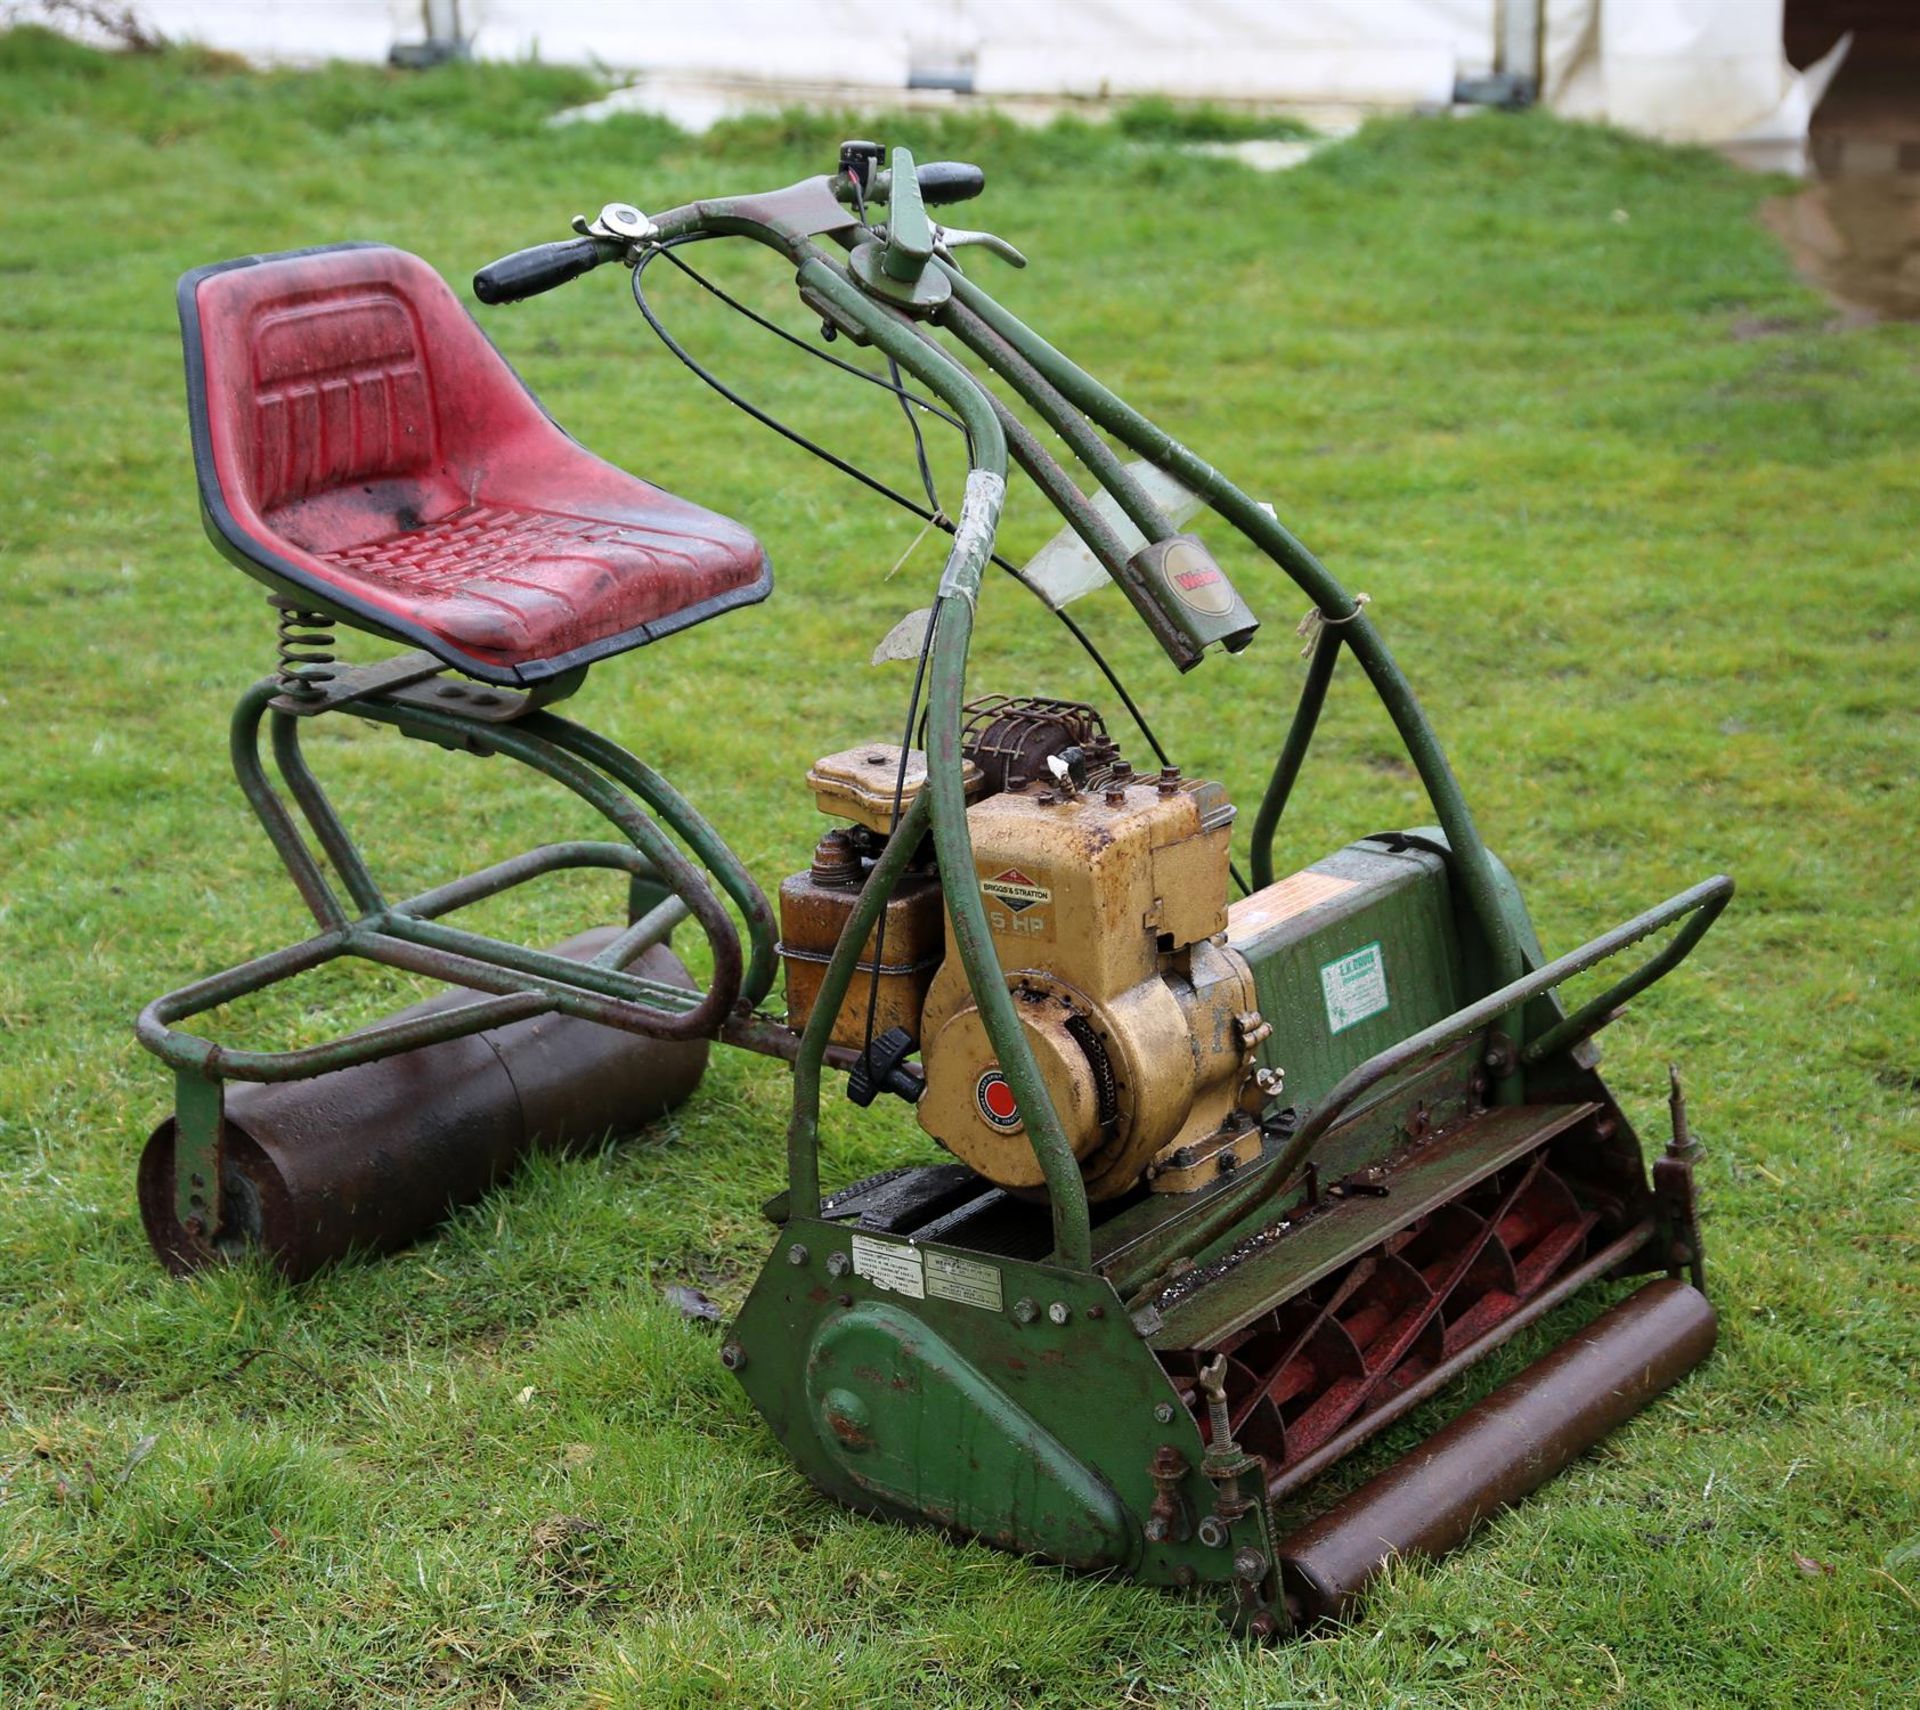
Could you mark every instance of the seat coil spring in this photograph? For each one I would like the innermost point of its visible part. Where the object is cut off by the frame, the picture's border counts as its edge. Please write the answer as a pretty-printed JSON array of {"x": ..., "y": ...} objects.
[{"x": 306, "y": 648}]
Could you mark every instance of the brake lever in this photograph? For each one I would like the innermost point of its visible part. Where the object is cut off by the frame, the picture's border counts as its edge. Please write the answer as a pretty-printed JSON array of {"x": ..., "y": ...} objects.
[{"x": 947, "y": 239}]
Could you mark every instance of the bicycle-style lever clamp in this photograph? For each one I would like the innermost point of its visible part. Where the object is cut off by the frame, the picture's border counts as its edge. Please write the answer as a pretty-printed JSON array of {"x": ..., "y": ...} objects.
[{"x": 894, "y": 268}]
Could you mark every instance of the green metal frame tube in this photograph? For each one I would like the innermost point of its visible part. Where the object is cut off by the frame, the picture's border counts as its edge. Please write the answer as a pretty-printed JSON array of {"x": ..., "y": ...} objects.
[
  {"x": 803, "y": 1124},
  {"x": 1293, "y": 753},
  {"x": 1711, "y": 896},
  {"x": 525, "y": 741},
  {"x": 284, "y": 732},
  {"x": 561, "y": 970},
  {"x": 1061, "y": 416},
  {"x": 959, "y": 588},
  {"x": 1044, "y": 471},
  {"x": 1209, "y": 1235},
  {"x": 471, "y": 888},
  {"x": 630, "y": 771},
  {"x": 243, "y": 744},
  {"x": 1504, "y": 933}
]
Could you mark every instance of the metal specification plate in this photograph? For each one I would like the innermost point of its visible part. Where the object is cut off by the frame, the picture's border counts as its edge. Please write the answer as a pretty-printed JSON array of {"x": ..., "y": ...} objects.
[
  {"x": 950, "y": 1277},
  {"x": 889, "y": 1265},
  {"x": 1355, "y": 987}
]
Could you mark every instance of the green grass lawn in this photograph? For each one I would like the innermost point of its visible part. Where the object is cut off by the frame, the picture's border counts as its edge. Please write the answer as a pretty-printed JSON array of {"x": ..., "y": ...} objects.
[{"x": 1640, "y": 524}]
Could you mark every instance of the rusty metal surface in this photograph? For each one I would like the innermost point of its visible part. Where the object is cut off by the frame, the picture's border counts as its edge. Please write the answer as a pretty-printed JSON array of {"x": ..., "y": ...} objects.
[
  {"x": 1010, "y": 738},
  {"x": 369, "y": 1158},
  {"x": 871, "y": 785},
  {"x": 1501, "y": 1448},
  {"x": 812, "y": 916}
]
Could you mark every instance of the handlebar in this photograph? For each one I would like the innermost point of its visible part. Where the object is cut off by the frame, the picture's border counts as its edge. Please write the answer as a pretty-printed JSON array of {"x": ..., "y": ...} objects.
[
  {"x": 527, "y": 272},
  {"x": 941, "y": 182}
]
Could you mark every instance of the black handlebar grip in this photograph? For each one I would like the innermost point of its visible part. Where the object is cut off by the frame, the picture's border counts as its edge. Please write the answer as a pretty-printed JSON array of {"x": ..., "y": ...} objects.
[
  {"x": 944, "y": 181},
  {"x": 528, "y": 272}
]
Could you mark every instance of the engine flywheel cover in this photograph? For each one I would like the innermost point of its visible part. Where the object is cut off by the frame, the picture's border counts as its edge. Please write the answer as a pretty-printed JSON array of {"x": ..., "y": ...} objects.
[{"x": 969, "y": 1106}]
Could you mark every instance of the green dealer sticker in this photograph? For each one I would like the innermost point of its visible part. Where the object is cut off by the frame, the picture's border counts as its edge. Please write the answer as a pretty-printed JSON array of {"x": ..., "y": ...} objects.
[{"x": 1355, "y": 987}]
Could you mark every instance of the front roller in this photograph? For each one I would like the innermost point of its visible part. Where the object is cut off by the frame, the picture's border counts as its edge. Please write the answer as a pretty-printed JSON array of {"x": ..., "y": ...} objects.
[
  {"x": 367, "y": 1159},
  {"x": 1501, "y": 1448}
]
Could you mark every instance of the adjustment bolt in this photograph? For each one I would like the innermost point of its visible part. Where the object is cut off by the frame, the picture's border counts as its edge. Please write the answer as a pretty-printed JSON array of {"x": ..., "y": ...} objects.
[
  {"x": 1059, "y": 1312},
  {"x": 1116, "y": 798},
  {"x": 838, "y": 1264},
  {"x": 733, "y": 1356},
  {"x": 797, "y": 1254},
  {"x": 1024, "y": 1311}
]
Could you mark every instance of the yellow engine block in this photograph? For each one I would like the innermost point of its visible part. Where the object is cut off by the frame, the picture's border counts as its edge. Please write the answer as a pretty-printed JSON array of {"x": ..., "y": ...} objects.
[{"x": 1108, "y": 905}]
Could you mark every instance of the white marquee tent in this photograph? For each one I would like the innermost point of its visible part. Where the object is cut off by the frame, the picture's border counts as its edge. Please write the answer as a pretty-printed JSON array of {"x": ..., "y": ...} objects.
[{"x": 1699, "y": 70}]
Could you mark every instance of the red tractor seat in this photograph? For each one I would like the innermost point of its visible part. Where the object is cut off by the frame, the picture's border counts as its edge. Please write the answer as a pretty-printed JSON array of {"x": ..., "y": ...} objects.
[{"x": 362, "y": 448}]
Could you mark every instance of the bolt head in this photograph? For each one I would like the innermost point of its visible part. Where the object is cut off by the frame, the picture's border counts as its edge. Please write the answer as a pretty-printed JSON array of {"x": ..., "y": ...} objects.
[
  {"x": 1163, "y": 1411},
  {"x": 733, "y": 1356},
  {"x": 1025, "y": 1311},
  {"x": 1213, "y": 1532},
  {"x": 1059, "y": 1312},
  {"x": 838, "y": 1264},
  {"x": 797, "y": 1254}
]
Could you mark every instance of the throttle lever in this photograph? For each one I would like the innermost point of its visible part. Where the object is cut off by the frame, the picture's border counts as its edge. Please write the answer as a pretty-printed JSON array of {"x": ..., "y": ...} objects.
[
  {"x": 621, "y": 221},
  {"x": 946, "y": 239}
]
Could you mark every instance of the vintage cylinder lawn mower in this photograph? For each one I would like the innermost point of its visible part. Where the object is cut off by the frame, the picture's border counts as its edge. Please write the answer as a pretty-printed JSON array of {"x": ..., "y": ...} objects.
[{"x": 1226, "y": 1182}]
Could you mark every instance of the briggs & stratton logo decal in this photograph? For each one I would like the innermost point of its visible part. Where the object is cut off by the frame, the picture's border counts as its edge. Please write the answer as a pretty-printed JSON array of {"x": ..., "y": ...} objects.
[{"x": 1016, "y": 890}]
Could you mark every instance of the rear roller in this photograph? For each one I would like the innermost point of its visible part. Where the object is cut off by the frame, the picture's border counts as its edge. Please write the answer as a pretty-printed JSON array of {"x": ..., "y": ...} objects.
[{"x": 368, "y": 1159}]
